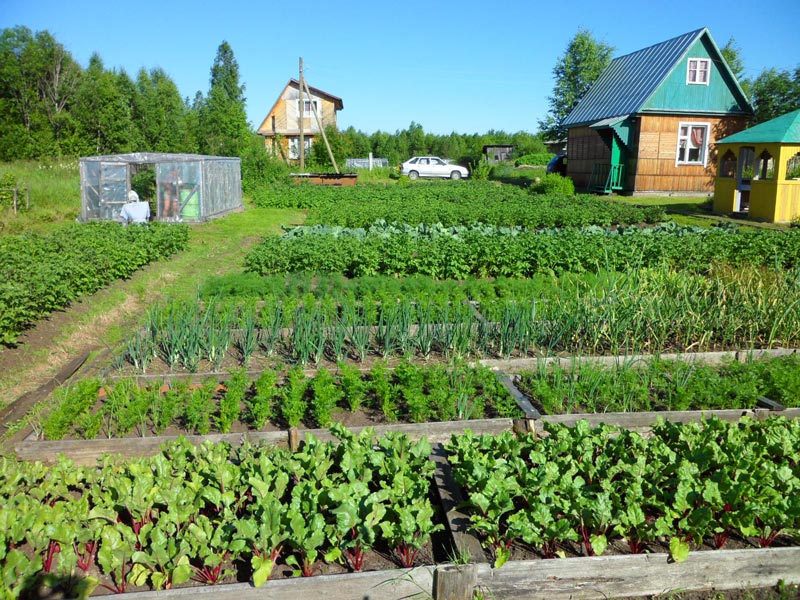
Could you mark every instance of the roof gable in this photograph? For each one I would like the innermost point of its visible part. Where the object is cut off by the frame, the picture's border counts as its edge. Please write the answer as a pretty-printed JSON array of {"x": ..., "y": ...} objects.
[
  {"x": 337, "y": 102},
  {"x": 633, "y": 83},
  {"x": 784, "y": 129}
]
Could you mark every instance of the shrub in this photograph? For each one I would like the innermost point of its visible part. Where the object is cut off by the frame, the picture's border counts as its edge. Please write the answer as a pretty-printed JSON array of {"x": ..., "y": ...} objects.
[
  {"x": 538, "y": 159},
  {"x": 554, "y": 184}
]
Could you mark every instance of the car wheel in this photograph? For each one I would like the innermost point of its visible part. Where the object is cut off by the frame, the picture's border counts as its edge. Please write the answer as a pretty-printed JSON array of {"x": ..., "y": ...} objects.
[
  {"x": 412, "y": 175},
  {"x": 455, "y": 175}
]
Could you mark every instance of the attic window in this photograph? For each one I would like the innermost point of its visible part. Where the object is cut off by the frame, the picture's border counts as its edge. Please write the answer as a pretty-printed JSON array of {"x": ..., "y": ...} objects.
[
  {"x": 692, "y": 144},
  {"x": 307, "y": 110},
  {"x": 698, "y": 72}
]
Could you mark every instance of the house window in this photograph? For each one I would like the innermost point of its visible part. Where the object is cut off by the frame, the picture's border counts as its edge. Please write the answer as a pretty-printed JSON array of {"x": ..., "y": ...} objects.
[
  {"x": 294, "y": 147},
  {"x": 766, "y": 166},
  {"x": 692, "y": 144},
  {"x": 727, "y": 165},
  {"x": 308, "y": 111},
  {"x": 698, "y": 71}
]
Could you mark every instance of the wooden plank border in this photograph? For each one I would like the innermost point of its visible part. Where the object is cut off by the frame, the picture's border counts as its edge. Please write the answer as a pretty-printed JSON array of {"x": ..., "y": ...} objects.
[
  {"x": 86, "y": 452},
  {"x": 373, "y": 585},
  {"x": 618, "y": 576},
  {"x": 591, "y": 578},
  {"x": 515, "y": 365}
]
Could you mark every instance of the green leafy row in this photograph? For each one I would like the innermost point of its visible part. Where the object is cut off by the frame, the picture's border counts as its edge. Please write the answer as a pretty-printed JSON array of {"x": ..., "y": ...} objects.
[
  {"x": 409, "y": 393},
  {"x": 588, "y": 488},
  {"x": 473, "y": 202},
  {"x": 489, "y": 251},
  {"x": 43, "y": 273},
  {"x": 212, "y": 513},
  {"x": 661, "y": 385}
]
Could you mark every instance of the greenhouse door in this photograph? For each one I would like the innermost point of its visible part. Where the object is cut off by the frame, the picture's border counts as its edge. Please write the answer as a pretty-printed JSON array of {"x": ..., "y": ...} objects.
[{"x": 113, "y": 184}]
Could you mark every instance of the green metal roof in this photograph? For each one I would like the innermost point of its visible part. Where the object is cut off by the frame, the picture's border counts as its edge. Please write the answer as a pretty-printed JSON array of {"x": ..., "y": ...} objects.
[
  {"x": 627, "y": 84},
  {"x": 784, "y": 129}
]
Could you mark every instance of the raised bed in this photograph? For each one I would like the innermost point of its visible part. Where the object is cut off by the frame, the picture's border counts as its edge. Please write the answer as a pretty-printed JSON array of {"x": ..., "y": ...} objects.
[{"x": 590, "y": 577}]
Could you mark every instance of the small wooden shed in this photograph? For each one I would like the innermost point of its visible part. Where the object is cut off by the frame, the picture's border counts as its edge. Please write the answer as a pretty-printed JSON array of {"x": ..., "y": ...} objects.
[
  {"x": 759, "y": 171},
  {"x": 496, "y": 153}
]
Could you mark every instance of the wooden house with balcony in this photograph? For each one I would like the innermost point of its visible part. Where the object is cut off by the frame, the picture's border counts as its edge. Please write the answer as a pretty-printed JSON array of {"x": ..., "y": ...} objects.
[
  {"x": 281, "y": 126},
  {"x": 759, "y": 171},
  {"x": 650, "y": 122}
]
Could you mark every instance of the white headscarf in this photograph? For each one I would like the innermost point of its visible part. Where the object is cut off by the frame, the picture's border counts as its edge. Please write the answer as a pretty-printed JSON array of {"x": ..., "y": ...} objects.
[{"x": 133, "y": 196}]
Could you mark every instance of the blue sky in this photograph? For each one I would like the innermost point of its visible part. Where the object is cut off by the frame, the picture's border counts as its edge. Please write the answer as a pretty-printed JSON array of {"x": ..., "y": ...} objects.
[{"x": 466, "y": 66}]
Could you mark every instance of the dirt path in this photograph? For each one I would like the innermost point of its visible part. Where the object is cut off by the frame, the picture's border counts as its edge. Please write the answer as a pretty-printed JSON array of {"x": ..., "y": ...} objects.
[{"x": 91, "y": 329}]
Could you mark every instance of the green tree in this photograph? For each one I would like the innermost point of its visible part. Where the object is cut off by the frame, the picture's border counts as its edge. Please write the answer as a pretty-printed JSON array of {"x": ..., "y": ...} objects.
[
  {"x": 133, "y": 100},
  {"x": 732, "y": 55},
  {"x": 103, "y": 114},
  {"x": 163, "y": 119},
  {"x": 576, "y": 70},
  {"x": 774, "y": 93},
  {"x": 38, "y": 82},
  {"x": 223, "y": 119}
]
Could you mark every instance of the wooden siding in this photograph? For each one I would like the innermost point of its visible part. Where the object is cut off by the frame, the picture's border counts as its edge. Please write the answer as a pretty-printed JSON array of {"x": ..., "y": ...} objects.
[
  {"x": 655, "y": 148},
  {"x": 585, "y": 147}
]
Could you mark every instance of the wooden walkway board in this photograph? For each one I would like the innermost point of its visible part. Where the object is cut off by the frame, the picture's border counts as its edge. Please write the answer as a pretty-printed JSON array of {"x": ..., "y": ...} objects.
[{"x": 450, "y": 497}]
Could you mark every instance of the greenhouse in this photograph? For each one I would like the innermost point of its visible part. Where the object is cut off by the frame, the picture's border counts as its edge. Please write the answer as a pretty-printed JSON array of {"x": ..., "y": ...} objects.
[{"x": 178, "y": 187}]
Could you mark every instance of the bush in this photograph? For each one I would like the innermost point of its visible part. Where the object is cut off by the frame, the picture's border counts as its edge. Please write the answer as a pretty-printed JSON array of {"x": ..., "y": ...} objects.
[
  {"x": 7, "y": 183},
  {"x": 554, "y": 184},
  {"x": 538, "y": 159}
]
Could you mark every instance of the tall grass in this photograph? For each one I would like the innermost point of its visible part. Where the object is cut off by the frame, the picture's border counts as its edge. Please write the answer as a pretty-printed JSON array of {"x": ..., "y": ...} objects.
[{"x": 55, "y": 195}]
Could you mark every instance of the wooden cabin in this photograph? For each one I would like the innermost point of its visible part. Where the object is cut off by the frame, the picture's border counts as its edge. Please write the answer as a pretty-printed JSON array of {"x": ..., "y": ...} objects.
[
  {"x": 281, "y": 126},
  {"x": 650, "y": 122},
  {"x": 496, "y": 153},
  {"x": 759, "y": 171}
]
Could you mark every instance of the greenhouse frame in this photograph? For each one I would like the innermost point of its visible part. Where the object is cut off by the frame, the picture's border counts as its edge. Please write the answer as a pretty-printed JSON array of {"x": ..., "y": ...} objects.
[{"x": 179, "y": 187}]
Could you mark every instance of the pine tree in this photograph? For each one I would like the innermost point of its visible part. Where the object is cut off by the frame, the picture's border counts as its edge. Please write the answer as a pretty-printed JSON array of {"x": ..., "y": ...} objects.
[{"x": 223, "y": 120}]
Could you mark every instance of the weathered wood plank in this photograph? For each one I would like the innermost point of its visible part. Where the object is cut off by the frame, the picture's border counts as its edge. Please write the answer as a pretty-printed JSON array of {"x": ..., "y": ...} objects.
[
  {"x": 464, "y": 543},
  {"x": 644, "y": 421},
  {"x": 435, "y": 432},
  {"x": 521, "y": 399},
  {"x": 515, "y": 365},
  {"x": 455, "y": 582},
  {"x": 86, "y": 452},
  {"x": 765, "y": 402},
  {"x": 376, "y": 585},
  {"x": 640, "y": 575}
]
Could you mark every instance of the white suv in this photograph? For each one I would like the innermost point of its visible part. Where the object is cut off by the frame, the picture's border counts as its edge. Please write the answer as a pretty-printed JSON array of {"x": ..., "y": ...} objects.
[{"x": 432, "y": 166}]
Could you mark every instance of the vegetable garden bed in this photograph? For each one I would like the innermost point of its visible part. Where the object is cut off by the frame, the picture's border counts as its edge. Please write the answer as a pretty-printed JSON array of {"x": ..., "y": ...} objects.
[{"x": 595, "y": 577}]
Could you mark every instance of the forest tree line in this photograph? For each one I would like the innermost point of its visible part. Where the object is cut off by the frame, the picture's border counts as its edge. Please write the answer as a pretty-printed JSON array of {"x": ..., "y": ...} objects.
[{"x": 50, "y": 106}]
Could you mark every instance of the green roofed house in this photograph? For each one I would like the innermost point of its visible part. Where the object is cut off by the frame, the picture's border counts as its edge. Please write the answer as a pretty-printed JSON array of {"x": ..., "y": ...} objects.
[
  {"x": 650, "y": 122},
  {"x": 759, "y": 171}
]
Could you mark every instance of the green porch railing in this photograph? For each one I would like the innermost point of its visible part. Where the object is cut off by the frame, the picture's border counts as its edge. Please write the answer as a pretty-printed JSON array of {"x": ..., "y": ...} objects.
[{"x": 606, "y": 178}]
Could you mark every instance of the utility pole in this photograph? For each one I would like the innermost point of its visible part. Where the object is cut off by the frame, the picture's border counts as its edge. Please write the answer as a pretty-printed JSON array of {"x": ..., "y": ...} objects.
[{"x": 301, "y": 111}]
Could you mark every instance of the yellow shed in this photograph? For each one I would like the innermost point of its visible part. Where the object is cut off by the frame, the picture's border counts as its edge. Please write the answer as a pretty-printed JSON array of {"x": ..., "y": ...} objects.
[{"x": 759, "y": 171}]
